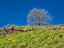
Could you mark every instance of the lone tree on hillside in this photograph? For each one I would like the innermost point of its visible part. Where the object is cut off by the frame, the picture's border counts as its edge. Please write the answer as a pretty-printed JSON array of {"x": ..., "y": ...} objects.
[{"x": 38, "y": 17}]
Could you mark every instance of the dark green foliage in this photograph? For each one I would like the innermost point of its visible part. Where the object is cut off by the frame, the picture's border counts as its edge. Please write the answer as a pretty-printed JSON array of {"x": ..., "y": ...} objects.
[{"x": 60, "y": 35}]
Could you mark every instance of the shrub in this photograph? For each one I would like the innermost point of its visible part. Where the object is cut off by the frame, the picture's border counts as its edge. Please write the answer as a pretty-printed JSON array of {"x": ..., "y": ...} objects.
[
  {"x": 60, "y": 35},
  {"x": 56, "y": 40},
  {"x": 26, "y": 29}
]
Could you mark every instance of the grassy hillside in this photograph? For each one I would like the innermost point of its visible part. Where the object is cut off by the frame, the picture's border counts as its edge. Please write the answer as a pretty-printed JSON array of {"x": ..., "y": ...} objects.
[{"x": 40, "y": 37}]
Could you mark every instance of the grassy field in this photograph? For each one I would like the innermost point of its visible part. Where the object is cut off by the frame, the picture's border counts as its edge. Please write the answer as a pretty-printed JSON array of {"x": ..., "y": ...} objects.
[{"x": 40, "y": 37}]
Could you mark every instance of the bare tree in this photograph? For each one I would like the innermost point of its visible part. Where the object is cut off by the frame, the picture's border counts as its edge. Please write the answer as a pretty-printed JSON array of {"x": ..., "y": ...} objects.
[{"x": 38, "y": 17}]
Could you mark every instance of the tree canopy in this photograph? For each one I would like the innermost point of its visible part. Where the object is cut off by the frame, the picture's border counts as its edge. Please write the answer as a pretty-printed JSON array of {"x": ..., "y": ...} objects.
[{"x": 38, "y": 17}]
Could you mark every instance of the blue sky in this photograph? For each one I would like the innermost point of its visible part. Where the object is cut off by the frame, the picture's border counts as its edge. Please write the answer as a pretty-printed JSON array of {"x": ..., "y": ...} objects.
[{"x": 16, "y": 11}]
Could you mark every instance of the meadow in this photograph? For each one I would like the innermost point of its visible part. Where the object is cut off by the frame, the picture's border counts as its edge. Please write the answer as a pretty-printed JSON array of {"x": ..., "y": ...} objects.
[{"x": 39, "y": 37}]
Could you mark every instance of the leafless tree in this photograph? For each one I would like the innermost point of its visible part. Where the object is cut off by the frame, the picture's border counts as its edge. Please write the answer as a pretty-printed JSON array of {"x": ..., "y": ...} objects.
[{"x": 38, "y": 17}]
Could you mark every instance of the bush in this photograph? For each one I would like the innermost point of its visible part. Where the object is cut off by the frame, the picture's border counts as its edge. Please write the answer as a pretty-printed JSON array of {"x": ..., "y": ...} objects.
[{"x": 60, "y": 35}]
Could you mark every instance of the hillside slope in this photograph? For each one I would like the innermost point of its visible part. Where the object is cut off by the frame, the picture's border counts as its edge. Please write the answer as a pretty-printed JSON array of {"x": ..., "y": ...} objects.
[{"x": 40, "y": 37}]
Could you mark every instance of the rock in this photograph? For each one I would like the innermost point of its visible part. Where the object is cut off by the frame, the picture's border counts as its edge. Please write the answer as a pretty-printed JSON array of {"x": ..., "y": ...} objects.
[
  {"x": 9, "y": 29},
  {"x": 2, "y": 32},
  {"x": 30, "y": 28},
  {"x": 19, "y": 29}
]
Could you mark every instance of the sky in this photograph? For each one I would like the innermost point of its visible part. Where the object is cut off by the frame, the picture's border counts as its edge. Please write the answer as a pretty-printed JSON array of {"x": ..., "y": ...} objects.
[{"x": 16, "y": 11}]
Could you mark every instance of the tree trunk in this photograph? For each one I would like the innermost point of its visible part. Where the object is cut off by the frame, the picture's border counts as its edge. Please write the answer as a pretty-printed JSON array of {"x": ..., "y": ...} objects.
[{"x": 39, "y": 24}]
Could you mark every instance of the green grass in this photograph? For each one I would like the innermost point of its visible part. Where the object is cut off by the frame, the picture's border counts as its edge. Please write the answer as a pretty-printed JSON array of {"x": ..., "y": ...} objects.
[{"x": 42, "y": 37}]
